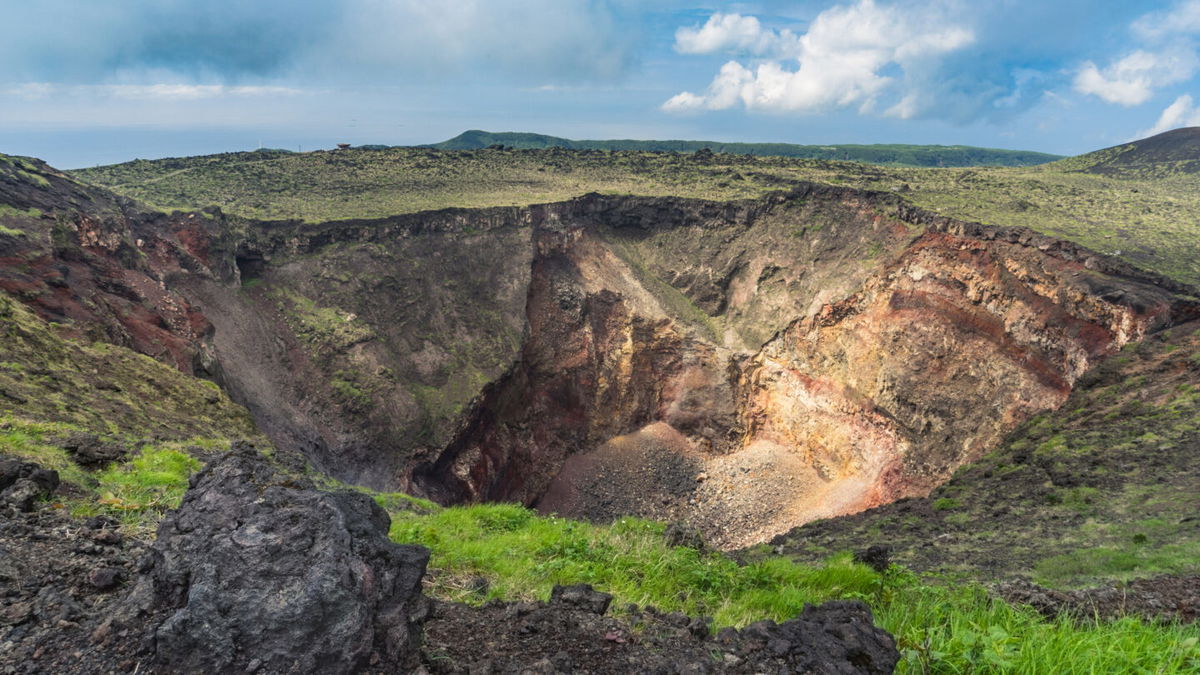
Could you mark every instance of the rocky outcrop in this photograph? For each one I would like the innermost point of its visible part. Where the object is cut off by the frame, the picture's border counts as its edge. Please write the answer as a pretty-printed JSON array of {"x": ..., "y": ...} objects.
[
  {"x": 1129, "y": 428},
  {"x": 101, "y": 265},
  {"x": 935, "y": 359},
  {"x": 22, "y": 483},
  {"x": 92, "y": 452},
  {"x": 259, "y": 572}
]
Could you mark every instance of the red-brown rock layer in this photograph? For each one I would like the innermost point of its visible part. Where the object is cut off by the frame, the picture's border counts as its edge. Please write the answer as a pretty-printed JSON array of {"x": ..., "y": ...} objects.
[{"x": 742, "y": 367}]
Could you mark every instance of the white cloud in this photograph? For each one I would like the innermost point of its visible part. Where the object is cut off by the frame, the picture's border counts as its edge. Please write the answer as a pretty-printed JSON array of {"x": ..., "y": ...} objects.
[
  {"x": 735, "y": 33},
  {"x": 1182, "y": 113},
  {"x": 31, "y": 91},
  {"x": 843, "y": 60},
  {"x": 1183, "y": 18},
  {"x": 1133, "y": 79}
]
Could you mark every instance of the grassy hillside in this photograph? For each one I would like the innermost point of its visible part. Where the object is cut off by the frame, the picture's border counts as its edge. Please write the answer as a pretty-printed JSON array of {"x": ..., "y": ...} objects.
[
  {"x": 1102, "y": 490},
  {"x": 1152, "y": 221},
  {"x": 1168, "y": 154},
  {"x": 888, "y": 154},
  {"x": 54, "y": 389}
]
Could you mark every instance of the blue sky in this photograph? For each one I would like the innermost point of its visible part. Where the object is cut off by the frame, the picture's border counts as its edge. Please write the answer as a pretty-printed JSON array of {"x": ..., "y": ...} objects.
[{"x": 85, "y": 82}]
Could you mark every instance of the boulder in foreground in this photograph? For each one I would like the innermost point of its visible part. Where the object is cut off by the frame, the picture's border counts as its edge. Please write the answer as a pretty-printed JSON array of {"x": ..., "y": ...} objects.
[{"x": 260, "y": 572}]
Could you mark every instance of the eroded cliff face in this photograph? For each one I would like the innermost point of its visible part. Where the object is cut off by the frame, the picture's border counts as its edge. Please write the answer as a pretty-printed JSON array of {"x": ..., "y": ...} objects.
[
  {"x": 100, "y": 266},
  {"x": 807, "y": 358},
  {"x": 931, "y": 363},
  {"x": 742, "y": 367}
]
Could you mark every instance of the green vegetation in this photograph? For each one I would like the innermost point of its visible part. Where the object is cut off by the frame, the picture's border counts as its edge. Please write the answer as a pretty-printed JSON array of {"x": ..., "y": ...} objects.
[
  {"x": 321, "y": 328},
  {"x": 11, "y": 211},
  {"x": 54, "y": 386},
  {"x": 940, "y": 627},
  {"x": 137, "y": 492},
  {"x": 50, "y": 375},
  {"x": 887, "y": 154},
  {"x": 523, "y": 555},
  {"x": 946, "y": 504},
  {"x": 1149, "y": 220},
  {"x": 321, "y": 186}
]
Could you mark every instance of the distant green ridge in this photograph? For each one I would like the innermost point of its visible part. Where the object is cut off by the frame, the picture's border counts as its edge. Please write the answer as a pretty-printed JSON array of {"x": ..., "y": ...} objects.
[{"x": 891, "y": 154}]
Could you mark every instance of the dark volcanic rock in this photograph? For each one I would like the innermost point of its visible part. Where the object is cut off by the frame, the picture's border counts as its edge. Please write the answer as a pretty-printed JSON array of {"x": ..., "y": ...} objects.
[
  {"x": 90, "y": 452},
  {"x": 21, "y": 483},
  {"x": 50, "y": 594},
  {"x": 836, "y": 637},
  {"x": 876, "y": 557},
  {"x": 581, "y": 596},
  {"x": 258, "y": 571}
]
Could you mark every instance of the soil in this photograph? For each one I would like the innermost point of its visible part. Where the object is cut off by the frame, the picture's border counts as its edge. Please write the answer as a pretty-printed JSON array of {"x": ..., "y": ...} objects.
[
  {"x": 565, "y": 637},
  {"x": 1161, "y": 598},
  {"x": 57, "y": 575}
]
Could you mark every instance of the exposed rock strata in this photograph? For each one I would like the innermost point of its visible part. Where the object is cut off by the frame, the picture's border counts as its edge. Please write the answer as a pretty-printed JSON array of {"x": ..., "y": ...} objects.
[
  {"x": 741, "y": 367},
  {"x": 953, "y": 335}
]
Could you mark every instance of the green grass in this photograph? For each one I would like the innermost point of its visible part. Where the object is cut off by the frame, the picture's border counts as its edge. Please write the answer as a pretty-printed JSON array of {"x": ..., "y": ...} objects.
[
  {"x": 32, "y": 441},
  {"x": 946, "y": 504},
  {"x": 960, "y": 629},
  {"x": 1149, "y": 221},
  {"x": 51, "y": 376},
  {"x": 9, "y": 232},
  {"x": 137, "y": 492},
  {"x": 523, "y": 555},
  {"x": 941, "y": 626}
]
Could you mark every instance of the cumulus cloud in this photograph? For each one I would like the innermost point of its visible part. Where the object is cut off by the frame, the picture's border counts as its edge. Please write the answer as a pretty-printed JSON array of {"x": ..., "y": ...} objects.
[
  {"x": 1183, "y": 18},
  {"x": 852, "y": 55},
  {"x": 1182, "y": 113},
  {"x": 1133, "y": 79},
  {"x": 735, "y": 33}
]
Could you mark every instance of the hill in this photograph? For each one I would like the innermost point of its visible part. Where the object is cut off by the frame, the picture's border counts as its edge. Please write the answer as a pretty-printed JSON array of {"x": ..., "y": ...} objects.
[
  {"x": 885, "y": 154},
  {"x": 1168, "y": 154}
]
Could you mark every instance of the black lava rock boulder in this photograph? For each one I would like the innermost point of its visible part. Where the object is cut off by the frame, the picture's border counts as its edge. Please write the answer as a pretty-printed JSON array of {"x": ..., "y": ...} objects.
[{"x": 259, "y": 572}]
